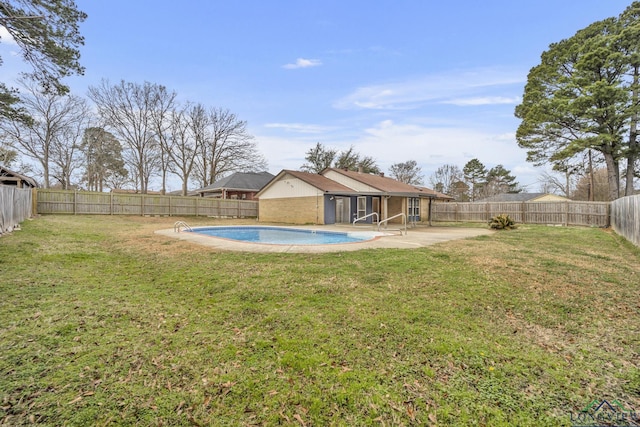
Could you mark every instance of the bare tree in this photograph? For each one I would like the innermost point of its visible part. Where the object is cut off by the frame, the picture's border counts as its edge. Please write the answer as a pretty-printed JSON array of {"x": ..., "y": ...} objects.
[
  {"x": 127, "y": 109},
  {"x": 66, "y": 156},
  {"x": 227, "y": 147},
  {"x": 183, "y": 144},
  {"x": 592, "y": 188},
  {"x": 164, "y": 102},
  {"x": 445, "y": 179},
  {"x": 198, "y": 119},
  {"x": 50, "y": 138},
  {"x": 408, "y": 172}
]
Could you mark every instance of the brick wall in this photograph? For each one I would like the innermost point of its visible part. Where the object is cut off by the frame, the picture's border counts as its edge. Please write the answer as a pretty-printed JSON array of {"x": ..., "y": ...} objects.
[
  {"x": 293, "y": 210},
  {"x": 395, "y": 206}
]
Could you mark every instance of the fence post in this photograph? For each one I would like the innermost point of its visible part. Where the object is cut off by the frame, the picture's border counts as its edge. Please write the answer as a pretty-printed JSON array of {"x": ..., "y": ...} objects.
[
  {"x": 34, "y": 202},
  {"x": 111, "y": 203},
  {"x": 75, "y": 201}
]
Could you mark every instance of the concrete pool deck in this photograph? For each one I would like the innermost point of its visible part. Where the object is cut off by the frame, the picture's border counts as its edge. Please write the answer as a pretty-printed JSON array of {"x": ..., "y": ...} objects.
[{"x": 415, "y": 238}]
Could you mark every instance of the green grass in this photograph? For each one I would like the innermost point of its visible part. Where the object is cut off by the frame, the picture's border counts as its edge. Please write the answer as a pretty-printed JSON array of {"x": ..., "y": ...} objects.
[{"x": 104, "y": 323}]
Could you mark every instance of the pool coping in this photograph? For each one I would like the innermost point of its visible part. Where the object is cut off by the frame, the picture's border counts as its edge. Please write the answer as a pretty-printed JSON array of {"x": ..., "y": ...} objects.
[{"x": 415, "y": 238}]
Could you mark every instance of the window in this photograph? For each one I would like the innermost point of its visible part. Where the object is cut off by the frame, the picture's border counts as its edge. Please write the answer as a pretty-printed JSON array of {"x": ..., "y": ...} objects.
[
  {"x": 362, "y": 206},
  {"x": 413, "y": 211}
]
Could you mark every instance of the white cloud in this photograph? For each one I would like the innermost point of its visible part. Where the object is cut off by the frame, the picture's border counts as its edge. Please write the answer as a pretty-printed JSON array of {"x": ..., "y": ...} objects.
[
  {"x": 471, "y": 87},
  {"x": 299, "y": 127},
  {"x": 434, "y": 146},
  {"x": 389, "y": 142},
  {"x": 303, "y": 63},
  {"x": 483, "y": 100}
]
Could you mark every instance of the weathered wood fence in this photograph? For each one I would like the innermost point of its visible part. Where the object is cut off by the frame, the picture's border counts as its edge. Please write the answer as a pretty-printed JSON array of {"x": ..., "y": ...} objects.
[
  {"x": 15, "y": 206},
  {"x": 625, "y": 218},
  {"x": 86, "y": 203},
  {"x": 558, "y": 213}
]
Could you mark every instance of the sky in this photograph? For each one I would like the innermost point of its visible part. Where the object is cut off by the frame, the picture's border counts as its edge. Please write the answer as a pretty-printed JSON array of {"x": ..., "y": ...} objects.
[{"x": 431, "y": 81}]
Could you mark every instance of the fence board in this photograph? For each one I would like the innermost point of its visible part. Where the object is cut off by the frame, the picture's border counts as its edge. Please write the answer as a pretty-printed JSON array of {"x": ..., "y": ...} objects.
[
  {"x": 563, "y": 213},
  {"x": 625, "y": 218},
  {"x": 93, "y": 203},
  {"x": 15, "y": 206}
]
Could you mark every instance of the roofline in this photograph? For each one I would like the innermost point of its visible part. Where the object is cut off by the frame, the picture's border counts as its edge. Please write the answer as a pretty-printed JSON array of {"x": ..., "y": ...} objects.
[
  {"x": 211, "y": 190},
  {"x": 271, "y": 181},
  {"x": 419, "y": 191},
  {"x": 418, "y": 194}
]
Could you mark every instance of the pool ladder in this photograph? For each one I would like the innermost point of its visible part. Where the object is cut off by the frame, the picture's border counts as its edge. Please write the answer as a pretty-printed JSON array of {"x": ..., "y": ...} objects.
[
  {"x": 178, "y": 224},
  {"x": 386, "y": 222}
]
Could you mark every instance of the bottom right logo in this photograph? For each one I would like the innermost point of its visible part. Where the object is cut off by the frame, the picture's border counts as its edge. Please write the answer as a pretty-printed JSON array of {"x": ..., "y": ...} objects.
[{"x": 604, "y": 413}]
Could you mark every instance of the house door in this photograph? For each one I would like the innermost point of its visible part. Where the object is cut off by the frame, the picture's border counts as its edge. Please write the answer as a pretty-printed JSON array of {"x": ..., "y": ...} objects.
[{"x": 343, "y": 210}]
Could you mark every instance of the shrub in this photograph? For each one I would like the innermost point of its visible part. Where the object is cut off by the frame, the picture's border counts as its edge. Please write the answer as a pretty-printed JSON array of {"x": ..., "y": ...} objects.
[{"x": 502, "y": 222}]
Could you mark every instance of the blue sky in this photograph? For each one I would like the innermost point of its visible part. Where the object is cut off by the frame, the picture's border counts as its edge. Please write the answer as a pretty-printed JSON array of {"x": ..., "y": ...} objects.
[{"x": 431, "y": 81}]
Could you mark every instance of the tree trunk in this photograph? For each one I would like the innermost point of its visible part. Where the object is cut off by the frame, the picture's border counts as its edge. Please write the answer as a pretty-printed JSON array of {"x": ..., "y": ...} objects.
[
  {"x": 613, "y": 176},
  {"x": 633, "y": 135}
]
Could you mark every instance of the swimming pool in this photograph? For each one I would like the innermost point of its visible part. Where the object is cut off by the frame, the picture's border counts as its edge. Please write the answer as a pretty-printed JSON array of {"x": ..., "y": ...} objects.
[{"x": 283, "y": 236}]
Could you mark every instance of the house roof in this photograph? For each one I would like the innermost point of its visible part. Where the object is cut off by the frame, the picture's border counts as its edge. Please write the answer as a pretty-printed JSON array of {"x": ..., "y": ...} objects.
[
  {"x": 381, "y": 184},
  {"x": 243, "y": 181},
  {"x": 385, "y": 184},
  {"x": 514, "y": 197},
  {"x": 320, "y": 182},
  {"x": 9, "y": 176}
]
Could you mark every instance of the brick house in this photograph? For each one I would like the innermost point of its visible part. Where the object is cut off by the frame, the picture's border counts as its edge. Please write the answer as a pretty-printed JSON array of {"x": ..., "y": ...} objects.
[{"x": 341, "y": 196}]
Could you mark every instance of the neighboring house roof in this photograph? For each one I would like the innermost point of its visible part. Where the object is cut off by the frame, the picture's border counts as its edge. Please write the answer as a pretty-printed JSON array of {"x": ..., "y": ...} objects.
[
  {"x": 320, "y": 182},
  {"x": 9, "y": 177},
  {"x": 239, "y": 181},
  {"x": 384, "y": 184},
  {"x": 521, "y": 197}
]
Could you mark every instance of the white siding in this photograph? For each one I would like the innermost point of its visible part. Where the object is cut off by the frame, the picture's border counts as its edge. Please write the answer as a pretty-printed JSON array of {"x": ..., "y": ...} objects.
[
  {"x": 351, "y": 183},
  {"x": 288, "y": 186}
]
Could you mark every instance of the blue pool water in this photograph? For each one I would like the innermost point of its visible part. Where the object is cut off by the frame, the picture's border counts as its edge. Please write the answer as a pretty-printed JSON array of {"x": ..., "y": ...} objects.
[{"x": 282, "y": 236}]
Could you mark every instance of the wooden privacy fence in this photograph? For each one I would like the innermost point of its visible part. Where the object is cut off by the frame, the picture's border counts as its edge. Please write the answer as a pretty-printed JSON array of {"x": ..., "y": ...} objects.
[
  {"x": 15, "y": 206},
  {"x": 625, "y": 218},
  {"x": 92, "y": 203},
  {"x": 562, "y": 213}
]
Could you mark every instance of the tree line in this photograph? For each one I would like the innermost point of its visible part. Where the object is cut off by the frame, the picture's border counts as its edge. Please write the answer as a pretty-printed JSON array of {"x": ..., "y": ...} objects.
[
  {"x": 473, "y": 182},
  {"x": 580, "y": 109},
  {"x": 134, "y": 133}
]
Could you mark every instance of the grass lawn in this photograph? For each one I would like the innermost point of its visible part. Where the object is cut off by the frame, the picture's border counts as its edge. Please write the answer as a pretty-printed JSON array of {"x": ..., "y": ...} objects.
[{"x": 102, "y": 322}]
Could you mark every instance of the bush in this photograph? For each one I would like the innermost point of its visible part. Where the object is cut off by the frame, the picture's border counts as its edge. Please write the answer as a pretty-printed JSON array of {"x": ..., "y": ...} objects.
[{"x": 502, "y": 222}]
